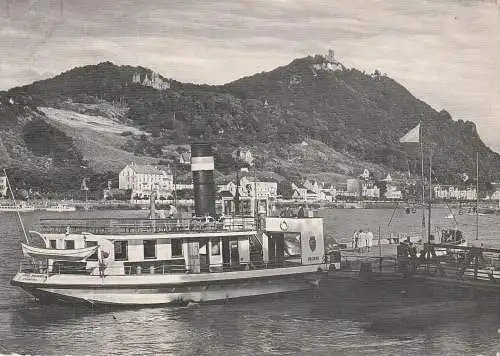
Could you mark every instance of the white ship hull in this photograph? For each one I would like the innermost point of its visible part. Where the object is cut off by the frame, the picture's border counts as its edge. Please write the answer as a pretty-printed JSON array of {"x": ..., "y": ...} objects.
[{"x": 166, "y": 289}]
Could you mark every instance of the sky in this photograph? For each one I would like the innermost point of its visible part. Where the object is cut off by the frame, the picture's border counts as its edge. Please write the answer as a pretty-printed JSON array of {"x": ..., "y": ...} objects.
[{"x": 446, "y": 52}]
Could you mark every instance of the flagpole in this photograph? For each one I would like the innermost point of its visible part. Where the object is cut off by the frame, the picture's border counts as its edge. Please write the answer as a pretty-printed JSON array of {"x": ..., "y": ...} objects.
[
  {"x": 430, "y": 200},
  {"x": 414, "y": 136},
  {"x": 477, "y": 195},
  {"x": 422, "y": 176}
]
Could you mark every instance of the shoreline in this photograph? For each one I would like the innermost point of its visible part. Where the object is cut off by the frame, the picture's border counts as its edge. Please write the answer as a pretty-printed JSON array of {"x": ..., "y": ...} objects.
[{"x": 41, "y": 204}]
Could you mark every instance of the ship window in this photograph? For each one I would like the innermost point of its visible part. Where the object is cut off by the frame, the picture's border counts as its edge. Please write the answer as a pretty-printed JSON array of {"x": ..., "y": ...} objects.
[
  {"x": 292, "y": 244},
  {"x": 215, "y": 247},
  {"x": 52, "y": 244},
  {"x": 92, "y": 257},
  {"x": 69, "y": 244},
  {"x": 121, "y": 250},
  {"x": 177, "y": 248},
  {"x": 149, "y": 249}
]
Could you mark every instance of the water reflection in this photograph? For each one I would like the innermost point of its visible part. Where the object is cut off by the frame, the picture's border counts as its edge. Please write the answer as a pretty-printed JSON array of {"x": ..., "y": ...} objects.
[
  {"x": 40, "y": 315},
  {"x": 51, "y": 328},
  {"x": 346, "y": 318}
]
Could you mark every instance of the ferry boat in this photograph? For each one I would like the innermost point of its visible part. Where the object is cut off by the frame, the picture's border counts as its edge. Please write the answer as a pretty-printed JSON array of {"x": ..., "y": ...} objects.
[
  {"x": 138, "y": 262},
  {"x": 17, "y": 207},
  {"x": 59, "y": 208}
]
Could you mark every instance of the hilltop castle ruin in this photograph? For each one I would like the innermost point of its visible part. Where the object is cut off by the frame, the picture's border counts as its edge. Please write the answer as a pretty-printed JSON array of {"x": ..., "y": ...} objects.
[{"x": 155, "y": 82}]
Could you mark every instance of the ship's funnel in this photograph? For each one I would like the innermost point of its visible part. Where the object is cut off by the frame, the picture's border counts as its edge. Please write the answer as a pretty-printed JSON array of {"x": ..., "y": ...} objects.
[{"x": 202, "y": 168}]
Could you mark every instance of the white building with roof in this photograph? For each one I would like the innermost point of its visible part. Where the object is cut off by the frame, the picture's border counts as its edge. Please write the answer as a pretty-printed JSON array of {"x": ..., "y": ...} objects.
[
  {"x": 454, "y": 193},
  {"x": 370, "y": 191},
  {"x": 244, "y": 155},
  {"x": 308, "y": 195},
  {"x": 265, "y": 188},
  {"x": 330, "y": 191},
  {"x": 143, "y": 179},
  {"x": 365, "y": 175},
  {"x": 393, "y": 192},
  {"x": 185, "y": 158},
  {"x": 496, "y": 193},
  {"x": 313, "y": 185},
  {"x": 260, "y": 194}
]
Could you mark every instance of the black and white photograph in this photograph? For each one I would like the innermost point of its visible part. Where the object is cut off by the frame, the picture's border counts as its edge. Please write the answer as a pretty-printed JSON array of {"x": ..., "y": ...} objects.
[{"x": 250, "y": 177}]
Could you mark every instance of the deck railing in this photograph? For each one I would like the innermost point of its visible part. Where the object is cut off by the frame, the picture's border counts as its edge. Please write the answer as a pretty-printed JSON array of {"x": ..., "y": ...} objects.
[
  {"x": 147, "y": 269},
  {"x": 110, "y": 226}
]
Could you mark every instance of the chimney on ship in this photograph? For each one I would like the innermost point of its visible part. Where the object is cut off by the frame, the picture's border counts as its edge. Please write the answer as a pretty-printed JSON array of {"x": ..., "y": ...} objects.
[{"x": 202, "y": 168}]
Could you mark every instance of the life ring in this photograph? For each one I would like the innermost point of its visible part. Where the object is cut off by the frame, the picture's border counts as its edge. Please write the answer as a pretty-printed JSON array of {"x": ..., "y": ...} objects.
[{"x": 283, "y": 226}]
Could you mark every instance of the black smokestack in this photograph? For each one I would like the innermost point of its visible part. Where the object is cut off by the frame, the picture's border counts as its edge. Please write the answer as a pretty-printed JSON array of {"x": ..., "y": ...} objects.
[{"x": 202, "y": 167}]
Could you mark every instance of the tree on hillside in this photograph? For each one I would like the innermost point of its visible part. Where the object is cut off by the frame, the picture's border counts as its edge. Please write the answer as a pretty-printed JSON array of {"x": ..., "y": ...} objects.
[
  {"x": 198, "y": 127},
  {"x": 44, "y": 139},
  {"x": 348, "y": 110}
]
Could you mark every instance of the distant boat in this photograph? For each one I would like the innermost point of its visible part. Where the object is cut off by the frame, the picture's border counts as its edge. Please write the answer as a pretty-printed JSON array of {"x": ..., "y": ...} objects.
[
  {"x": 473, "y": 211},
  {"x": 486, "y": 210},
  {"x": 16, "y": 207},
  {"x": 61, "y": 208},
  {"x": 452, "y": 238}
]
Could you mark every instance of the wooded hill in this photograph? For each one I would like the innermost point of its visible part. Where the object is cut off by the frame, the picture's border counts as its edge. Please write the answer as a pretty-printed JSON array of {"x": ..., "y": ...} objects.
[{"x": 310, "y": 118}]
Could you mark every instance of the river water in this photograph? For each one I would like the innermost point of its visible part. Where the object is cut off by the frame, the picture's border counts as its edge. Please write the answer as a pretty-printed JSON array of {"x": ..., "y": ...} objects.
[{"x": 341, "y": 318}]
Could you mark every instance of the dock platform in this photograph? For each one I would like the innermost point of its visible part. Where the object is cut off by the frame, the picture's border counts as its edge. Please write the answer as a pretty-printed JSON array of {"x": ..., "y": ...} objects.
[
  {"x": 376, "y": 262},
  {"x": 380, "y": 263}
]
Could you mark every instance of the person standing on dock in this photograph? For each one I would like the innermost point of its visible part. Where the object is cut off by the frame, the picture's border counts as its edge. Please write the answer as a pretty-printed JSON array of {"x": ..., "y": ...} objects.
[
  {"x": 491, "y": 270},
  {"x": 301, "y": 212},
  {"x": 354, "y": 243},
  {"x": 362, "y": 239},
  {"x": 369, "y": 238},
  {"x": 100, "y": 258}
]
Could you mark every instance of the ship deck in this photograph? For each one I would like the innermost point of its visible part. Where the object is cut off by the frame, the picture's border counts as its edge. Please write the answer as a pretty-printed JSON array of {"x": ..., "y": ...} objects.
[{"x": 119, "y": 226}]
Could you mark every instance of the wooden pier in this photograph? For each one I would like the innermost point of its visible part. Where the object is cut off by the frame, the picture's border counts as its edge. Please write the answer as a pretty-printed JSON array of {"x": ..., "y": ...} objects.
[
  {"x": 381, "y": 263},
  {"x": 374, "y": 263}
]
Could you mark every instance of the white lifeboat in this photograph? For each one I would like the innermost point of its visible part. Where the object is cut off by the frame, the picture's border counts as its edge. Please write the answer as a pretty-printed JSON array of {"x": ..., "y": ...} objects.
[{"x": 79, "y": 254}]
